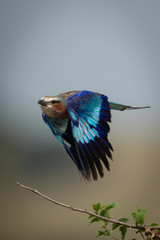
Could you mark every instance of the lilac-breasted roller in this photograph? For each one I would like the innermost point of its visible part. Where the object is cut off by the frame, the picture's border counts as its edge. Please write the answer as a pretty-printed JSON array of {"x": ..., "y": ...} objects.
[{"x": 79, "y": 120}]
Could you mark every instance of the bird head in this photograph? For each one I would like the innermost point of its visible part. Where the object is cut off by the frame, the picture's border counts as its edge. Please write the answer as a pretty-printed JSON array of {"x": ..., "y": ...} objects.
[{"x": 53, "y": 107}]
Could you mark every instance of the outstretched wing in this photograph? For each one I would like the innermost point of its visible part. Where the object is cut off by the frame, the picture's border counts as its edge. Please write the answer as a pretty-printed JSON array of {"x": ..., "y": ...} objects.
[
  {"x": 61, "y": 128},
  {"x": 90, "y": 114}
]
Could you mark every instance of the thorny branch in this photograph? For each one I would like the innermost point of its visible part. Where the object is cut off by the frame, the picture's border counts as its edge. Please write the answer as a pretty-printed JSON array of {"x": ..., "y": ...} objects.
[{"x": 139, "y": 227}]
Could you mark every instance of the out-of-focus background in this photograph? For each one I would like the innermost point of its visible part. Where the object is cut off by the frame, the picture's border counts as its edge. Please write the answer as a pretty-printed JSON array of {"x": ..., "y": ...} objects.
[{"x": 49, "y": 47}]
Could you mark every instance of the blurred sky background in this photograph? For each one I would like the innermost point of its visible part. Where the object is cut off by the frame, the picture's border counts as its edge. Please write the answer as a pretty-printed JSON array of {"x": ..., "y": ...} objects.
[{"x": 49, "y": 47}]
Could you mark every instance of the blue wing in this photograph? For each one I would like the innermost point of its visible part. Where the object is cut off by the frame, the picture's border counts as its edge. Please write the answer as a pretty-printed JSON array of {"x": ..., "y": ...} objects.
[
  {"x": 89, "y": 113},
  {"x": 61, "y": 128}
]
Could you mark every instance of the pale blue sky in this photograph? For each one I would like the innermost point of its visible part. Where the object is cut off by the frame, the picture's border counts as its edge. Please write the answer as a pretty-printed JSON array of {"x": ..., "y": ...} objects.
[{"x": 48, "y": 47}]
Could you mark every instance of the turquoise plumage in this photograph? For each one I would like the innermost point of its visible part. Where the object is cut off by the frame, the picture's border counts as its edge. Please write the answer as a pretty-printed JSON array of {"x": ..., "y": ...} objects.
[{"x": 80, "y": 121}]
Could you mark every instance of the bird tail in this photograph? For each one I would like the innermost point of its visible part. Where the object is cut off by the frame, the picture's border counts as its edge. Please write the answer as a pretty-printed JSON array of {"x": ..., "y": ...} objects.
[{"x": 121, "y": 107}]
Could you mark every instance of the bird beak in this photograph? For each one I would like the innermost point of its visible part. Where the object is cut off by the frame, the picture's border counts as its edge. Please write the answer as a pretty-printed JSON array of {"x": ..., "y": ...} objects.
[{"x": 42, "y": 102}]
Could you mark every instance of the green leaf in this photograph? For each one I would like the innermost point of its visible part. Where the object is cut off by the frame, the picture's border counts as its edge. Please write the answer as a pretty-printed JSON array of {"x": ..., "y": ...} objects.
[
  {"x": 105, "y": 210},
  {"x": 95, "y": 219},
  {"x": 116, "y": 225},
  {"x": 104, "y": 213},
  {"x": 110, "y": 206},
  {"x": 90, "y": 216},
  {"x": 100, "y": 233},
  {"x": 139, "y": 216},
  {"x": 154, "y": 225},
  {"x": 138, "y": 209},
  {"x": 103, "y": 206},
  {"x": 125, "y": 220},
  {"x": 97, "y": 206},
  {"x": 123, "y": 230}
]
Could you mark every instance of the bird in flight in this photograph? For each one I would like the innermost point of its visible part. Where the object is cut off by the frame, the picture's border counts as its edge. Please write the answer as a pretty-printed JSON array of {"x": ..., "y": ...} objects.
[{"x": 80, "y": 121}]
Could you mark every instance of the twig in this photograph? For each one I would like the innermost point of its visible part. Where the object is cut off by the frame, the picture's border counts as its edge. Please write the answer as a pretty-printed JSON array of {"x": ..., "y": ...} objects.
[
  {"x": 86, "y": 211},
  {"x": 142, "y": 235}
]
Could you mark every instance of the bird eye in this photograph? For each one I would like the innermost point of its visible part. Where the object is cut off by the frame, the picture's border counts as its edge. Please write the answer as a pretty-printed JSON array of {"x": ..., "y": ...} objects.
[{"x": 55, "y": 101}]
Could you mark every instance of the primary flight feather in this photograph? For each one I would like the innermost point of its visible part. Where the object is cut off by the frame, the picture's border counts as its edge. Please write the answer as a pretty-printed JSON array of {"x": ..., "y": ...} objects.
[{"x": 79, "y": 120}]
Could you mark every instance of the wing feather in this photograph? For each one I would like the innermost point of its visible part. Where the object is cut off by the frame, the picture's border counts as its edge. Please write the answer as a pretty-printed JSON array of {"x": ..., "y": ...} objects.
[
  {"x": 61, "y": 128},
  {"x": 90, "y": 114}
]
